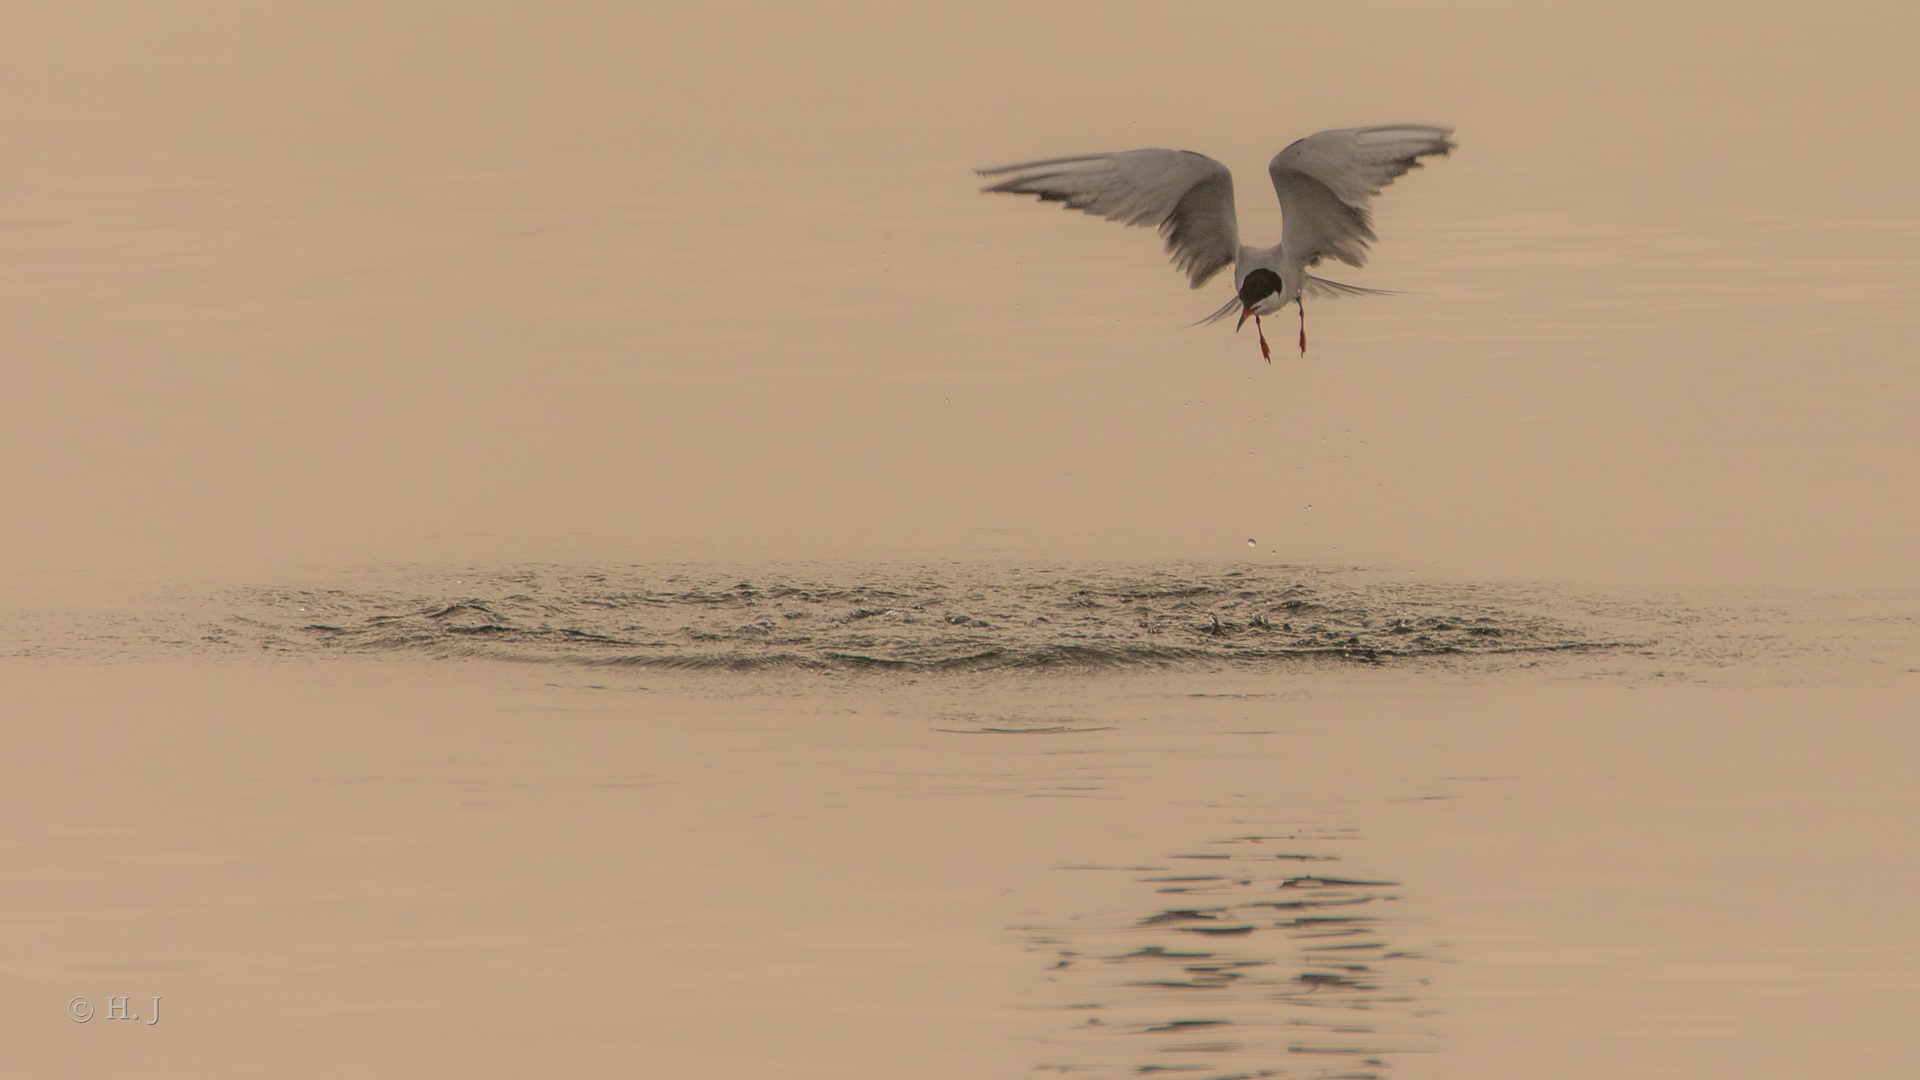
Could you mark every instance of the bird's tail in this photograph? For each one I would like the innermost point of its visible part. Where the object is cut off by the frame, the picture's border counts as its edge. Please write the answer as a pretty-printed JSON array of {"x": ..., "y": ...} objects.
[
  {"x": 1318, "y": 288},
  {"x": 1230, "y": 307}
]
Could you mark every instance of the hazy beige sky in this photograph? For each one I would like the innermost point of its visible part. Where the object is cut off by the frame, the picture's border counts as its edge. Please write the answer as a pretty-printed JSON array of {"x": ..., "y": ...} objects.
[{"x": 428, "y": 282}]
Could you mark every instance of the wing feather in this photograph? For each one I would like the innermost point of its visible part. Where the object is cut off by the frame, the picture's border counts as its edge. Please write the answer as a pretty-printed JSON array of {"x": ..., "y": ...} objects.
[
  {"x": 1326, "y": 181},
  {"x": 1187, "y": 196}
]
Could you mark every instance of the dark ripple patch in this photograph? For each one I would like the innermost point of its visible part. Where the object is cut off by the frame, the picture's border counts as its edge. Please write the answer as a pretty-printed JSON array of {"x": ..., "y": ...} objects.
[
  {"x": 954, "y": 619},
  {"x": 1255, "y": 976}
]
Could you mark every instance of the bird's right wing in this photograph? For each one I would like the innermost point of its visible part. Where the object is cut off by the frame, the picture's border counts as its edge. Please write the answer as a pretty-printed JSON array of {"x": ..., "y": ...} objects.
[{"x": 1188, "y": 196}]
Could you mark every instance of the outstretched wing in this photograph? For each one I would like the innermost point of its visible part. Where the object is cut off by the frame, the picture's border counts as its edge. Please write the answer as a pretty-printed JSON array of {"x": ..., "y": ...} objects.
[
  {"x": 1325, "y": 182},
  {"x": 1316, "y": 288},
  {"x": 1188, "y": 196}
]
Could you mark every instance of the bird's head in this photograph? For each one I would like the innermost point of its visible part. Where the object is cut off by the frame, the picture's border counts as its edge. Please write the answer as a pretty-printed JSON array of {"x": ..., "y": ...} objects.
[{"x": 1259, "y": 285}]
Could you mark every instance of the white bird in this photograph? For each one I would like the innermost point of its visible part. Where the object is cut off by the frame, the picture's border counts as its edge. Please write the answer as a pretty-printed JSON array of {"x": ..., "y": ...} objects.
[{"x": 1324, "y": 181}]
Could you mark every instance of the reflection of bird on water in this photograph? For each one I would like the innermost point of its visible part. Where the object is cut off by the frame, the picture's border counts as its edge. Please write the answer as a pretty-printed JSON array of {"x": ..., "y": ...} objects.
[{"x": 1324, "y": 182}]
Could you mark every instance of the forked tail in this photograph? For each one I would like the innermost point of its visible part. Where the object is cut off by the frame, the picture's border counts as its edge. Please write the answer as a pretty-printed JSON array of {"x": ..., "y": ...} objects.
[{"x": 1318, "y": 288}]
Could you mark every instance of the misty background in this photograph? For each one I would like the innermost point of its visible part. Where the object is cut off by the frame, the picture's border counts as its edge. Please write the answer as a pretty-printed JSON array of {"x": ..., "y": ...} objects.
[{"x": 424, "y": 283}]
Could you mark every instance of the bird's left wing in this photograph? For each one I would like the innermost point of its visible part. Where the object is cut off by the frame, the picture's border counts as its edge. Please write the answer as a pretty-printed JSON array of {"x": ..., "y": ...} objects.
[
  {"x": 1325, "y": 182},
  {"x": 1188, "y": 196}
]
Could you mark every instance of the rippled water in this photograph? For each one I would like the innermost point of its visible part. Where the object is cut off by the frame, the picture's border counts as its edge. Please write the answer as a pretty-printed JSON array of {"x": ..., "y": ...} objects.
[
  {"x": 907, "y": 619},
  {"x": 1212, "y": 821},
  {"x": 1253, "y": 957},
  {"x": 977, "y": 618}
]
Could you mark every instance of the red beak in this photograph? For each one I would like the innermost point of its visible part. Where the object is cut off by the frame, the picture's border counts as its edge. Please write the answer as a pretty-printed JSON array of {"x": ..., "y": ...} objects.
[{"x": 1245, "y": 311}]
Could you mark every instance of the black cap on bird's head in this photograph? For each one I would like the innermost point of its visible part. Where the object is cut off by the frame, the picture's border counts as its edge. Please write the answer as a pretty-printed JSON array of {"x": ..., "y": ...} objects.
[{"x": 1259, "y": 285}]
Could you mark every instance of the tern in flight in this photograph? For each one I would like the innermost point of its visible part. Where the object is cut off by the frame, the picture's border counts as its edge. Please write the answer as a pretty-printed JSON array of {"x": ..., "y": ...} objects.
[{"x": 1324, "y": 181}]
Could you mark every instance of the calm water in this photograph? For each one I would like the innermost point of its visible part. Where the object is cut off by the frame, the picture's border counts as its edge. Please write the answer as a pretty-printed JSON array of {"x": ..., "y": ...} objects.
[{"x": 374, "y": 286}]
